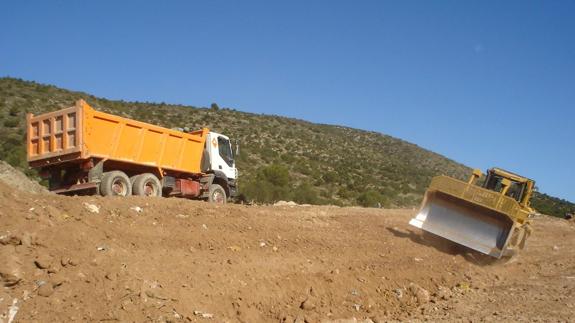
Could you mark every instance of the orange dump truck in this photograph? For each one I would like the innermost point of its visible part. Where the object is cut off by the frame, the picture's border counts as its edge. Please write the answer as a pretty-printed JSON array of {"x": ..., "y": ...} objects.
[{"x": 81, "y": 151}]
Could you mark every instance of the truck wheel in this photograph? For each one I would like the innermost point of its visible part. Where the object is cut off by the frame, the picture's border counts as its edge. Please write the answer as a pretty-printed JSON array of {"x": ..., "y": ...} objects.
[
  {"x": 217, "y": 194},
  {"x": 146, "y": 185},
  {"x": 115, "y": 183}
]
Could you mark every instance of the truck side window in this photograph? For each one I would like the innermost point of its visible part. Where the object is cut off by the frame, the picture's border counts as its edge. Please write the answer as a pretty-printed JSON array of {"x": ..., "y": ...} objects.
[{"x": 225, "y": 151}]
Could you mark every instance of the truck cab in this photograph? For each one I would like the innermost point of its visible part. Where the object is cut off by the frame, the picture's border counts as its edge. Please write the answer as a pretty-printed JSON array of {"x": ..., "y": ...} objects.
[
  {"x": 220, "y": 155},
  {"x": 219, "y": 160}
]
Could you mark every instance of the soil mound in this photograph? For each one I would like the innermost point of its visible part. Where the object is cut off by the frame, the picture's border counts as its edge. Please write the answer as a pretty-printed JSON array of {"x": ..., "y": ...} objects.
[{"x": 16, "y": 179}]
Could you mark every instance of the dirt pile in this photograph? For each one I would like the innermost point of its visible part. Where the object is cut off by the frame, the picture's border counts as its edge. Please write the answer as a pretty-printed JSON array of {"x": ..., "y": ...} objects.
[
  {"x": 16, "y": 179},
  {"x": 156, "y": 259}
]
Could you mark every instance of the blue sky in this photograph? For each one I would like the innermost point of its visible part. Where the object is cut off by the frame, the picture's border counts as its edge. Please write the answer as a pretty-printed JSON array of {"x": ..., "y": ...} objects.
[{"x": 486, "y": 83}]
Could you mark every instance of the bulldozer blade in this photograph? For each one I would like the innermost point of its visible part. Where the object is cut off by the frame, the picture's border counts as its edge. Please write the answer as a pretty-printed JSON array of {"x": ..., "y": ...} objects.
[{"x": 465, "y": 223}]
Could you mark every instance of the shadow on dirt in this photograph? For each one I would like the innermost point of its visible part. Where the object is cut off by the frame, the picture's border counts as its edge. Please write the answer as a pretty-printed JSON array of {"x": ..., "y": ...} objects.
[{"x": 446, "y": 246}]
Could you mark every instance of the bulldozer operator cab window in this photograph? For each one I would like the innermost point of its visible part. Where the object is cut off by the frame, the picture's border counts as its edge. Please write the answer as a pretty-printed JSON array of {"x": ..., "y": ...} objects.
[
  {"x": 225, "y": 151},
  {"x": 515, "y": 190},
  {"x": 494, "y": 183}
]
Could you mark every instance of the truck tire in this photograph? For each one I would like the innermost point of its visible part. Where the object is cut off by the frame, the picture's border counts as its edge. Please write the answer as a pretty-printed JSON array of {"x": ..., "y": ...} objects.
[
  {"x": 115, "y": 183},
  {"x": 217, "y": 194},
  {"x": 146, "y": 185}
]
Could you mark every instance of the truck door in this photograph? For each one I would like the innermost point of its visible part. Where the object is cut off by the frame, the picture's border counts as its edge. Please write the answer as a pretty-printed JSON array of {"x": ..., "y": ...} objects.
[{"x": 221, "y": 155}]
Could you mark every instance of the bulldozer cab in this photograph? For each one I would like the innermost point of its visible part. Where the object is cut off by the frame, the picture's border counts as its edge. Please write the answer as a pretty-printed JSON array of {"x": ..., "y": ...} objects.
[
  {"x": 483, "y": 213},
  {"x": 514, "y": 186}
]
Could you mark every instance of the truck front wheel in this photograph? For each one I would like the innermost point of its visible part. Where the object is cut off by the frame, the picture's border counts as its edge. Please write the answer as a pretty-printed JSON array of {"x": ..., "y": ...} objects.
[
  {"x": 115, "y": 183},
  {"x": 146, "y": 185},
  {"x": 217, "y": 194}
]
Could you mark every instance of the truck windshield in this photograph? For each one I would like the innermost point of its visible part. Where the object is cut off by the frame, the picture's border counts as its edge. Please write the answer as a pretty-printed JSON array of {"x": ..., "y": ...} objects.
[{"x": 226, "y": 151}]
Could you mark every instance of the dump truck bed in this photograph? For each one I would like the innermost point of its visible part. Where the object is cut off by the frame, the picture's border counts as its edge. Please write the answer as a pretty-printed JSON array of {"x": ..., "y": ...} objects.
[{"x": 80, "y": 132}]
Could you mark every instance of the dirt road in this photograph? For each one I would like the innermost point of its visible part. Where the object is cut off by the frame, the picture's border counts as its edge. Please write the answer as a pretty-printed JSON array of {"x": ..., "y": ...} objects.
[{"x": 141, "y": 259}]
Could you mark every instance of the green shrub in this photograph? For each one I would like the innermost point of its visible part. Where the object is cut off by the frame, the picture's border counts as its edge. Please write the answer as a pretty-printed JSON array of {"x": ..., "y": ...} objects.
[
  {"x": 371, "y": 198},
  {"x": 11, "y": 122},
  {"x": 305, "y": 194}
]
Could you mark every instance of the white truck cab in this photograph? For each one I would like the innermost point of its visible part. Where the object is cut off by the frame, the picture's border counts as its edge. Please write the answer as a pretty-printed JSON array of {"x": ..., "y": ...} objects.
[
  {"x": 220, "y": 166},
  {"x": 220, "y": 155}
]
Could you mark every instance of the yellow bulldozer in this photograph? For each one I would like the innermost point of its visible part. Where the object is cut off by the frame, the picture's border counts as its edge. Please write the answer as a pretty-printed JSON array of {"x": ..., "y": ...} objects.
[{"x": 488, "y": 213}]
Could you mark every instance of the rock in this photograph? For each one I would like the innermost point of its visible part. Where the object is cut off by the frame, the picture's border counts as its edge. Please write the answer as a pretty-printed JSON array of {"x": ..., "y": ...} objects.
[
  {"x": 155, "y": 294},
  {"x": 64, "y": 261},
  {"x": 73, "y": 262},
  {"x": 9, "y": 279},
  {"x": 284, "y": 203},
  {"x": 29, "y": 239},
  {"x": 46, "y": 290},
  {"x": 43, "y": 261},
  {"x": 137, "y": 209},
  {"x": 10, "y": 274},
  {"x": 58, "y": 279},
  {"x": 10, "y": 239},
  {"x": 110, "y": 276},
  {"x": 204, "y": 315},
  {"x": 444, "y": 293},
  {"x": 299, "y": 319},
  {"x": 92, "y": 208},
  {"x": 54, "y": 213},
  {"x": 235, "y": 248},
  {"x": 182, "y": 216},
  {"x": 307, "y": 305},
  {"x": 420, "y": 293}
]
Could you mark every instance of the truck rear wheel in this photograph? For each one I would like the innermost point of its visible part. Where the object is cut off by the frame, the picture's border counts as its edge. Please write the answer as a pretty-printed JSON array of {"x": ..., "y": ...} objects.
[
  {"x": 115, "y": 183},
  {"x": 217, "y": 194},
  {"x": 146, "y": 185}
]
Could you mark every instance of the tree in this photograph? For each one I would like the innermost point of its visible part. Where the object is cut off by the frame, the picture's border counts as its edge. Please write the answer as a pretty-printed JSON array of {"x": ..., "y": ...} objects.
[{"x": 214, "y": 107}]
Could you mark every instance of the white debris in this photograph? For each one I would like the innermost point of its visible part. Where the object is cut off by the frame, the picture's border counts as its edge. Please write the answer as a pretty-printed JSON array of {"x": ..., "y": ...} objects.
[
  {"x": 182, "y": 216},
  {"x": 137, "y": 209},
  {"x": 205, "y": 227},
  {"x": 204, "y": 315},
  {"x": 417, "y": 259},
  {"x": 13, "y": 310},
  {"x": 92, "y": 208},
  {"x": 102, "y": 248},
  {"x": 262, "y": 244}
]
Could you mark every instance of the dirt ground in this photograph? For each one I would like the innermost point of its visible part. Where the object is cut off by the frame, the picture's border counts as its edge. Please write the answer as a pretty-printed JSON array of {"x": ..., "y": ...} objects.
[{"x": 135, "y": 259}]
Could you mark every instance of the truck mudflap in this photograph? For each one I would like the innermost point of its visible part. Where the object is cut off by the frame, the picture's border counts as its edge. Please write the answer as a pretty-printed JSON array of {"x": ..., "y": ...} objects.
[{"x": 465, "y": 223}]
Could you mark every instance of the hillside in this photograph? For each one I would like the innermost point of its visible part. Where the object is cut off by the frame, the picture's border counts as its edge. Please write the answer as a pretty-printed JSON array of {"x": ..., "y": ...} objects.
[{"x": 280, "y": 158}]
